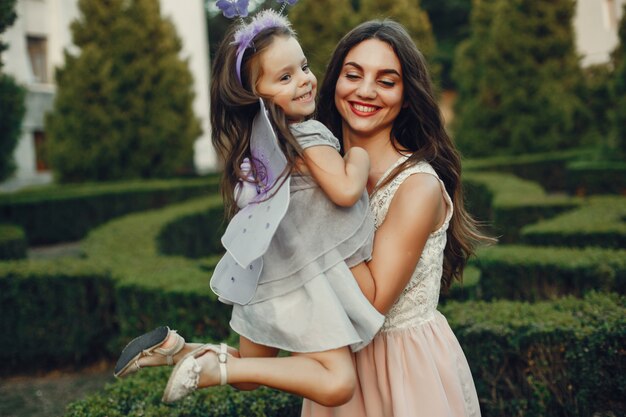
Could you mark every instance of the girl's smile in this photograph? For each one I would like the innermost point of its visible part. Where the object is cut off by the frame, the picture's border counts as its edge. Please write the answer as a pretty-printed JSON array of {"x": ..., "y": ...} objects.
[{"x": 286, "y": 78}]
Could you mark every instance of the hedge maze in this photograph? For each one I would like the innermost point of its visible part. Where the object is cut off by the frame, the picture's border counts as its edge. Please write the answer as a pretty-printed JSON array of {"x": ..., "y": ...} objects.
[{"x": 541, "y": 316}]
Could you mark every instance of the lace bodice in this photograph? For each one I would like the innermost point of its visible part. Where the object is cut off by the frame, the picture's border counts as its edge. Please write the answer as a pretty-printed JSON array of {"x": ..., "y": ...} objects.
[{"x": 418, "y": 301}]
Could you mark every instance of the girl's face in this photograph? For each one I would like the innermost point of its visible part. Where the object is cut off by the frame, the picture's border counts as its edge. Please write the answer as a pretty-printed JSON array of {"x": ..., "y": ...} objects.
[
  {"x": 286, "y": 78},
  {"x": 369, "y": 92}
]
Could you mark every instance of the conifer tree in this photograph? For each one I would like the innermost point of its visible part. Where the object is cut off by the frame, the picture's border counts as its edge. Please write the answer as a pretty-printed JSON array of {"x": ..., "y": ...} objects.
[
  {"x": 517, "y": 76},
  {"x": 11, "y": 101},
  {"x": 124, "y": 103},
  {"x": 618, "y": 135},
  {"x": 407, "y": 12},
  {"x": 320, "y": 25}
]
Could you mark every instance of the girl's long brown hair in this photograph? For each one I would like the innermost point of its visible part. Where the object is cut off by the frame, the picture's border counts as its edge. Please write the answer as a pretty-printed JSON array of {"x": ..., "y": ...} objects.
[
  {"x": 418, "y": 128},
  {"x": 234, "y": 105}
]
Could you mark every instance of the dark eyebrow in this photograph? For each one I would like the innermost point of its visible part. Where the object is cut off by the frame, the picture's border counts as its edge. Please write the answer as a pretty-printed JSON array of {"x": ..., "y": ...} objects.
[{"x": 384, "y": 71}]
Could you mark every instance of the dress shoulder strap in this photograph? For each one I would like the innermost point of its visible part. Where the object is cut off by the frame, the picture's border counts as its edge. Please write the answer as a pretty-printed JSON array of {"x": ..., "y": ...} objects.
[{"x": 381, "y": 200}]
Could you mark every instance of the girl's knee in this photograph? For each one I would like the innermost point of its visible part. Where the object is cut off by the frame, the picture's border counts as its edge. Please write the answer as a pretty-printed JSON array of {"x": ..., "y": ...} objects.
[{"x": 340, "y": 389}]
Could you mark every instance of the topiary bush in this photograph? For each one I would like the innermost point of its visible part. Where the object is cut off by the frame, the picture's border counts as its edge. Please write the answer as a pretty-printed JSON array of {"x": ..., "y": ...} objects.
[
  {"x": 54, "y": 313},
  {"x": 557, "y": 358},
  {"x": 65, "y": 213},
  {"x": 560, "y": 358},
  {"x": 535, "y": 273},
  {"x": 509, "y": 203},
  {"x": 140, "y": 395},
  {"x": 70, "y": 311},
  {"x": 597, "y": 222},
  {"x": 12, "y": 242},
  {"x": 596, "y": 177}
]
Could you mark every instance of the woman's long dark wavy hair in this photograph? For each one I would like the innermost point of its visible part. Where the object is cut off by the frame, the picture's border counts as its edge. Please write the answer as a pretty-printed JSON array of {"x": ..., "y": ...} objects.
[
  {"x": 234, "y": 105},
  {"x": 419, "y": 129}
]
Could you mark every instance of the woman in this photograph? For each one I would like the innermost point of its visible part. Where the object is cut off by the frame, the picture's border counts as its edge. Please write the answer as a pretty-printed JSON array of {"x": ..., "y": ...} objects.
[{"x": 377, "y": 95}]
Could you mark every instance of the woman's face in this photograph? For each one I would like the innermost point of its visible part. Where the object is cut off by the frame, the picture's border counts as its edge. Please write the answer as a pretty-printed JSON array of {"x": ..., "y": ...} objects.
[{"x": 369, "y": 92}]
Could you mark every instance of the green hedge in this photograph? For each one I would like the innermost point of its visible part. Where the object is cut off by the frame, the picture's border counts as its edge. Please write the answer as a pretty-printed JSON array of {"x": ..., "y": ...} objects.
[
  {"x": 12, "y": 242},
  {"x": 140, "y": 395},
  {"x": 535, "y": 273},
  {"x": 68, "y": 311},
  {"x": 596, "y": 177},
  {"x": 469, "y": 289},
  {"x": 511, "y": 203},
  {"x": 549, "y": 168},
  {"x": 194, "y": 235},
  {"x": 53, "y": 313},
  {"x": 154, "y": 289},
  {"x": 66, "y": 213},
  {"x": 598, "y": 222},
  {"x": 562, "y": 358}
]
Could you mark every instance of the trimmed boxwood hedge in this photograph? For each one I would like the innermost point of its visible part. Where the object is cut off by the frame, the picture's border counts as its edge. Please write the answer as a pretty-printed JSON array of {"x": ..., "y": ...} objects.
[
  {"x": 596, "y": 177},
  {"x": 561, "y": 358},
  {"x": 12, "y": 242},
  {"x": 534, "y": 273},
  {"x": 469, "y": 289},
  {"x": 549, "y": 168},
  {"x": 66, "y": 213},
  {"x": 67, "y": 311},
  {"x": 598, "y": 222},
  {"x": 558, "y": 358},
  {"x": 510, "y": 203},
  {"x": 53, "y": 313},
  {"x": 154, "y": 289}
]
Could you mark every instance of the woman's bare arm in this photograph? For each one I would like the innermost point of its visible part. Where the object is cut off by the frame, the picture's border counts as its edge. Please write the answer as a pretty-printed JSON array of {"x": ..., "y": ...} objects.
[{"x": 417, "y": 209}]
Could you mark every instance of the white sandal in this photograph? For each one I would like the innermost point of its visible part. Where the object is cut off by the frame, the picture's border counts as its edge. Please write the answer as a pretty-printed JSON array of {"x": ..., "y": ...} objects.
[
  {"x": 186, "y": 374},
  {"x": 146, "y": 345}
]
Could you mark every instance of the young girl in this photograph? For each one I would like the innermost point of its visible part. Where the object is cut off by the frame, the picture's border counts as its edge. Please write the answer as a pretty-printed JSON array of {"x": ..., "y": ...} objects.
[{"x": 307, "y": 300}]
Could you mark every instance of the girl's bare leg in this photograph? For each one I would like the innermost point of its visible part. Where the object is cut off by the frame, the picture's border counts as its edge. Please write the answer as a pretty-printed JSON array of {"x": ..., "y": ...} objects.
[
  {"x": 249, "y": 349},
  {"x": 327, "y": 378}
]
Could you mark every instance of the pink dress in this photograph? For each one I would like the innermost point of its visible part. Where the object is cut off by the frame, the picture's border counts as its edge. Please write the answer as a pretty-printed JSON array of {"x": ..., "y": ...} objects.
[{"x": 414, "y": 366}]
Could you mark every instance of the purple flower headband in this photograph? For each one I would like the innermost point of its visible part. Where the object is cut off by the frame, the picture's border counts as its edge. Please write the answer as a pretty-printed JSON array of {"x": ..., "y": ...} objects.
[{"x": 263, "y": 20}]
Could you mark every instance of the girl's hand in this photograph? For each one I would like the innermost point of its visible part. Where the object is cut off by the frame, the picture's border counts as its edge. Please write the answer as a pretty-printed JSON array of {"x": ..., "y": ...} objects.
[{"x": 246, "y": 188}]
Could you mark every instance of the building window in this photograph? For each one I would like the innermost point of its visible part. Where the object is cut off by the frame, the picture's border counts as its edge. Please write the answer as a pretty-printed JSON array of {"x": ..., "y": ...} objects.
[
  {"x": 37, "y": 51},
  {"x": 40, "y": 139},
  {"x": 609, "y": 11}
]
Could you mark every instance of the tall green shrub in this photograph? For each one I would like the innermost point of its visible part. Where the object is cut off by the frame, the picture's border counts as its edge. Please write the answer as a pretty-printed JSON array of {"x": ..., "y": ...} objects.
[
  {"x": 517, "y": 75},
  {"x": 450, "y": 22},
  {"x": 124, "y": 103},
  {"x": 12, "y": 110},
  {"x": 618, "y": 135},
  {"x": 7, "y": 17},
  {"x": 320, "y": 24},
  {"x": 11, "y": 101},
  {"x": 407, "y": 12}
]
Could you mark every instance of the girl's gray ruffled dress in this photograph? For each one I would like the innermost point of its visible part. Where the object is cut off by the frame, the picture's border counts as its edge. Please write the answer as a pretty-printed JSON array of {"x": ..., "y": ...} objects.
[{"x": 307, "y": 300}]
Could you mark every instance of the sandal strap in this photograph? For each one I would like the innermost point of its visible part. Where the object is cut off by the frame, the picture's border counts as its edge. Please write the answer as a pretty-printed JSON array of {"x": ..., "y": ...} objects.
[
  {"x": 222, "y": 358},
  {"x": 172, "y": 350}
]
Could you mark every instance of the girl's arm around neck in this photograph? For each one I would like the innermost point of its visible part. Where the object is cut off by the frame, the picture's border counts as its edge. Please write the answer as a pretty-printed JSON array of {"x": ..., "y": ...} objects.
[
  {"x": 342, "y": 179},
  {"x": 417, "y": 209}
]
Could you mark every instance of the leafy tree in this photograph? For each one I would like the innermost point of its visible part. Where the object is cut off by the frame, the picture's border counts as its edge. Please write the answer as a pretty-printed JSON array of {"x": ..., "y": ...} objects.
[
  {"x": 11, "y": 101},
  {"x": 407, "y": 12},
  {"x": 320, "y": 25},
  {"x": 517, "y": 76},
  {"x": 7, "y": 17},
  {"x": 618, "y": 87},
  {"x": 124, "y": 104},
  {"x": 450, "y": 22}
]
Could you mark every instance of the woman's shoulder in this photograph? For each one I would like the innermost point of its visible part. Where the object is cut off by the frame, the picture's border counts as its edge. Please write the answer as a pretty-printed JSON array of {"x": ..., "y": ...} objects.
[{"x": 312, "y": 133}]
